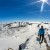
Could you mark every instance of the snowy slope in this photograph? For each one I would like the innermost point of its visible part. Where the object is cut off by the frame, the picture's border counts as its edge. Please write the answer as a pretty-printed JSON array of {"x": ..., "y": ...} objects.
[{"x": 13, "y": 37}]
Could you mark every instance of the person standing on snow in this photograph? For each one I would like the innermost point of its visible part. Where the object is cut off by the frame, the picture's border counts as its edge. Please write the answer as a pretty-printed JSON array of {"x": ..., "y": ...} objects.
[{"x": 41, "y": 34}]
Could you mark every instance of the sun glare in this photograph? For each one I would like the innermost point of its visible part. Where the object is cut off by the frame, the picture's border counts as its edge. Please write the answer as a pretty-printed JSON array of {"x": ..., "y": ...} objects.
[{"x": 44, "y": 0}]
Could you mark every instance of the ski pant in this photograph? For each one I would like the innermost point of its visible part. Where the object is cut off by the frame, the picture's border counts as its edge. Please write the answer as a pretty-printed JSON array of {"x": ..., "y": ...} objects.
[{"x": 42, "y": 37}]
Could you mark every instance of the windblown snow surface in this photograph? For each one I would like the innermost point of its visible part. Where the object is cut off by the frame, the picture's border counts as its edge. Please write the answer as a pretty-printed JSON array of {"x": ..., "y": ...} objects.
[{"x": 13, "y": 37}]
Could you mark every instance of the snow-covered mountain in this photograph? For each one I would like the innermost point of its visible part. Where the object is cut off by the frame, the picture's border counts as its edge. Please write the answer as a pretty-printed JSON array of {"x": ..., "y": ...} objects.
[{"x": 14, "y": 34}]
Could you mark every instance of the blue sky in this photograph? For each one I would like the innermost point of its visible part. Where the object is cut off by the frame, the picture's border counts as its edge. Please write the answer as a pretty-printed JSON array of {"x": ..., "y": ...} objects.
[{"x": 22, "y": 10}]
